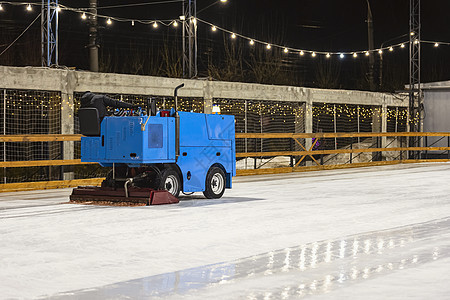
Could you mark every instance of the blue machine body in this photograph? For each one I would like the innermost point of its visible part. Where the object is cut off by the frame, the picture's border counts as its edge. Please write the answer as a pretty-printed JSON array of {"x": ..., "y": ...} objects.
[{"x": 204, "y": 140}]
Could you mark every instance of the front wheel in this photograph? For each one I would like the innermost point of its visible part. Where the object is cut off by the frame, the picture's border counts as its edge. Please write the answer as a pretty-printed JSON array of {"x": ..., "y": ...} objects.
[
  {"x": 170, "y": 181},
  {"x": 215, "y": 183}
]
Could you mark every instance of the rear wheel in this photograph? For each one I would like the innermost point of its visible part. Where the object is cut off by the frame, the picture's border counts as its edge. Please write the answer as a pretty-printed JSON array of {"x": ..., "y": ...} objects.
[
  {"x": 215, "y": 183},
  {"x": 170, "y": 181}
]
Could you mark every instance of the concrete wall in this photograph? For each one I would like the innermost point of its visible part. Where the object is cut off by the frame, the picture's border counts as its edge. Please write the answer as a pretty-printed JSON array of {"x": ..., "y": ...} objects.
[{"x": 70, "y": 81}]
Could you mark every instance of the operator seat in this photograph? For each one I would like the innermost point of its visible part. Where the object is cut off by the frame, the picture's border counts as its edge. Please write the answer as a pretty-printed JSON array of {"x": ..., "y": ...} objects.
[{"x": 89, "y": 121}]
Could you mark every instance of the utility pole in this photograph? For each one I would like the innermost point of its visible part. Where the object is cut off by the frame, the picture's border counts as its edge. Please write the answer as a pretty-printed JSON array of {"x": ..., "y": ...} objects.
[
  {"x": 49, "y": 33},
  {"x": 93, "y": 47},
  {"x": 371, "y": 46},
  {"x": 189, "y": 37}
]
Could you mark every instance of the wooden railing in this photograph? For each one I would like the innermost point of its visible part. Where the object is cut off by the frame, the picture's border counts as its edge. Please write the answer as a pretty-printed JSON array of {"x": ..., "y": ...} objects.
[{"x": 304, "y": 153}]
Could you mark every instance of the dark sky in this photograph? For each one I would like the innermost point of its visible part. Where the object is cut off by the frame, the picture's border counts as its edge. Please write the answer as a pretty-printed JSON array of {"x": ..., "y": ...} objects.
[{"x": 322, "y": 25}]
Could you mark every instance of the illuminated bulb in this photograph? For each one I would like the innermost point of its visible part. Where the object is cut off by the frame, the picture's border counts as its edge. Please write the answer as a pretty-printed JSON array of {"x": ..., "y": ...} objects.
[
  {"x": 58, "y": 9},
  {"x": 83, "y": 16},
  {"x": 302, "y": 53},
  {"x": 175, "y": 24},
  {"x": 355, "y": 55},
  {"x": 412, "y": 33},
  {"x": 268, "y": 46},
  {"x": 391, "y": 49},
  {"x": 213, "y": 28},
  {"x": 416, "y": 42},
  {"x": 155, "y": 25},
  {"x": 1, "y": 7},
  {"x": 132, "y": 22},
  {"x": 380, "y": 51},
  {"x": 367, "y": 53},
  {"x": 436, "y": 44},
  {"x": 29, "y": 8},
  {"x": 402, "y": 46},
  {"x": 285, "y": 50},
  {"x": 223, "y": 1},
  {"x": 341, "y": 55},
  {"x": 182, "y": 18},
  {"x": 109, "y": 22},
  {"x": 313, "y": 54},
  {"x": 233, "y": 36},
  {"x": 328, "y": 55},
  {"x": 252, "y": 42}
]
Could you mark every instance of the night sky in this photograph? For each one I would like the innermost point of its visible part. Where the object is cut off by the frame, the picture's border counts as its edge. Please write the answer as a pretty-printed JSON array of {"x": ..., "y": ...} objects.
[{"x": 321, "y": 25}]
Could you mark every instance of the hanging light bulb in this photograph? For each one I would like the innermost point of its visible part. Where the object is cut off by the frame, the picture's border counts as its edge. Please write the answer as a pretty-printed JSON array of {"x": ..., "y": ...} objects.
[
  {"x": 302, "y": 53},
  {"x": 109, "y": 22},
  {"x": 233, "y": 36},
  {"x": 1, "y": 7},
  {"x": 341, "y": 55},
  {"x": 328, "y": 55},
  {"x": 286, "y": 50},
  {"x": 416, "y": 42},
  {"x": 402, "y": 46},
  {"x": 175, "y": 23},
  {"x": 436, "y": 44},
  {"x": 182, "y": 18},
  {"x": 83, "y": 16},
  {"x": 132, "y": 22},
  {"x": 412, "y": 33},
  {"x": 367, "y": 53},
  {"x": 391, "y": 49},
  {"x": 213, "y": 28},
  {"x": 268, "y": 46},
  {"x": 252, "y": 42},
  {"x": 223, "y": 1},
  {"x": 58, "y": 8},
  {"x": 380, "y": 51},
  {"x": 155, "y": 24},
  {"x": 29, "y": 8},
  {"x": 313, "y": 54},
  {"x": 355, "y": 55}
]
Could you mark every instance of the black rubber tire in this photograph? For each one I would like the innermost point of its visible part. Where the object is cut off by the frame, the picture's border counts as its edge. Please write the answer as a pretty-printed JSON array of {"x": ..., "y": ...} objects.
[
  {"x": 170, "y": 181},
  {"x": 215, "y": 183}
]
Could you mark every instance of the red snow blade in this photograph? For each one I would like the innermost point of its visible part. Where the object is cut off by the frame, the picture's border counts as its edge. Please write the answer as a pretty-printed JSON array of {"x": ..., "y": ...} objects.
[{"x": 111, "y": 196}]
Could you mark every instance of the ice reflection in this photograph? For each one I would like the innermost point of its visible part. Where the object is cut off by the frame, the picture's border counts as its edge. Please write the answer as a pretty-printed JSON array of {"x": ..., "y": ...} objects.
[{"x": 366, "y": 261}]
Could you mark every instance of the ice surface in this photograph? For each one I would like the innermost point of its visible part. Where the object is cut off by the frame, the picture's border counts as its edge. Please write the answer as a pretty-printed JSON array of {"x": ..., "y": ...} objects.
[{"x": 369, "y": 233}]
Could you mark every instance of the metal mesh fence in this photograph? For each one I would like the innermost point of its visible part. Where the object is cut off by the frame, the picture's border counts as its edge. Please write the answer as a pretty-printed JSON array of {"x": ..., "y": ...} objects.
[{"x": 30, "y": 112}]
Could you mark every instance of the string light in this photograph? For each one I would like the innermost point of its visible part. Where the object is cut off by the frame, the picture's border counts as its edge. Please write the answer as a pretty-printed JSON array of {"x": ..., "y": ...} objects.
[
  {"x": 302, "y": 53},
  {"x": 268, "y": 46},
  {"x": 286, "y": 50},
  {"x": 355, "y": 55},
  {"x": 328, "y": 55},
  {"x": 341, "y": 55},
  {"x": 58, "y": 8},
  {"x": 380, "y": 51},
  {"x": 155, "y": 24},
  {"x": 233, "y": 36},
  {"x": 213, "y": 28},
  {"x": 1, "y": 7},
  {"x": 109, "y": 22},
  {"x": 402, "y": 45},
  {"x": 367, "y": 53},
  {"x": 416, "y": 42},
  {"x": 83, "y": 16},
  {"x": 182, "y": 18},
  {"x": 436, "y": 44},
  {"x": 29, "y": 8},
  {"x": 313, "y": 54},
  {"x": 175, "y": 23},
  {"x": 252, "y": 42},
  {"x": 391, "y": 49},
  {"x": 132, "y": 22}
]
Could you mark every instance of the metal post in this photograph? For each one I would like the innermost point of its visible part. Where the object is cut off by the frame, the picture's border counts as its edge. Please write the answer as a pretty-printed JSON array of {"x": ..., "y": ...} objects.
[
  {"x": 246, "y": 131},
  {"x": 49, "y": 33},
  {"x": 93, "y": 47},
  {"x": 4, "y": 133},
  {"x": 334, "y": 118},
  {"x": 189, "y": 41},
  {"x": 371, "y": 46}
]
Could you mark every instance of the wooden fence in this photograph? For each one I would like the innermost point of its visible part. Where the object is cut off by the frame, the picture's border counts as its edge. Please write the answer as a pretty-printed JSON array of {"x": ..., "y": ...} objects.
[{"x": 300, "y": 155}]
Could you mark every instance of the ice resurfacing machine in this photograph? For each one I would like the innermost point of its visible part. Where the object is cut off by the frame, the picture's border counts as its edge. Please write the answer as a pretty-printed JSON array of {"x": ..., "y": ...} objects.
[{"x": 157, "y": 155}]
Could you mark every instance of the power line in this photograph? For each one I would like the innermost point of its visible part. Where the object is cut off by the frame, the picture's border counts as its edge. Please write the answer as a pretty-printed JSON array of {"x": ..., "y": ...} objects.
[{"x": 10, "y": 45}]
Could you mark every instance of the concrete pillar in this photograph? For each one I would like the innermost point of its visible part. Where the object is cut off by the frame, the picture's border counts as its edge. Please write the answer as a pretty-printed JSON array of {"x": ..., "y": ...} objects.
[
  {"x": 308, "y": 122},
  {"x": 384, "y": 124},
  {"x": 207, "y": 97},
  {"x": 68, "y": 84},
  {"x": 376, "y": 127}
]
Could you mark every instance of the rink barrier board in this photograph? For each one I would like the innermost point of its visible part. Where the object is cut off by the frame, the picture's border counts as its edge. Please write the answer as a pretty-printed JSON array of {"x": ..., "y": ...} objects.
[{"x": 23, "y": 186}]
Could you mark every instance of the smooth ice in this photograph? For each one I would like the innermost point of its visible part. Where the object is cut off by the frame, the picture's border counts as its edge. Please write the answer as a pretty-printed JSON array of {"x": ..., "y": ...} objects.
[{"x": 368, "y": 233}]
